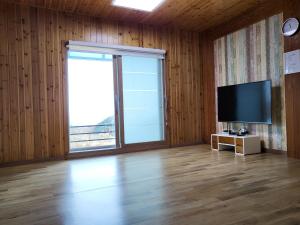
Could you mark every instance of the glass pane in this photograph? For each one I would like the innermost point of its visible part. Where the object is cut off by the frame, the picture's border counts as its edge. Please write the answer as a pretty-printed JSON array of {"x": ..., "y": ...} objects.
[
  {"x": 91, "y": 101},
  {"x": 142, "y": 99}
]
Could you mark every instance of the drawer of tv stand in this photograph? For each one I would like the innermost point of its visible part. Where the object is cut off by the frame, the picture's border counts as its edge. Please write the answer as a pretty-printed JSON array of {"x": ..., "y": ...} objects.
[
  {"x": 239, "y": 149},
  {"x": 226, "y": 140},
  {"x": 239, "y": 142}
]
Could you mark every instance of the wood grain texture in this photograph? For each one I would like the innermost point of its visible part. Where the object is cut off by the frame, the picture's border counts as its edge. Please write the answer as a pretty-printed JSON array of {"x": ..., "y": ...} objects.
[
  {"x": 292, "y": 84},
  {"x": 190, "y": 185},
  {"x": 32, "y": 64},
  {"x": 253, "y": 54},
  {"x": 208, "y": 96},
  {"x": 247, "y": 18},
  {"x": 189, "y": 14},
  {"x": 291, "y": 9},
  {"x": 292, "y": 93}
]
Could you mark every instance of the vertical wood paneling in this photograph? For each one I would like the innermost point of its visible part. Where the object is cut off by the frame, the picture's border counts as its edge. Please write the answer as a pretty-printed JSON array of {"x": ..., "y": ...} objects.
[
  {"x": 208, "y": 98},
  {"x": 28, "y": 90},
  {"x": 2, "y": 71},
  {"x": 13, "y": 91},
  {"x": 32, "y": 88},
  {"x": 257, "y": 49},
  {"x": 43, "y": 84},
  {"x": 292, "y": 84},
  {"x": 292, "y": 113},
  {"x": 207, "y": 51},
  {"x": 20, "y": 76},
  {"x": 37, "y": 132}
]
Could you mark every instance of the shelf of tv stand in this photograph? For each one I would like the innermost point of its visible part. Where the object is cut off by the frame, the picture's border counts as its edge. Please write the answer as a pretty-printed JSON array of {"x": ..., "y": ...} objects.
[{"x": 243, "y": 145}]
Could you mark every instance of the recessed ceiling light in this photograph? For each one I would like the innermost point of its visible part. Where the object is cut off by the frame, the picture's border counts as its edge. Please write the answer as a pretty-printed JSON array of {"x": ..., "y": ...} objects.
[{"x": 145, "y": 5}]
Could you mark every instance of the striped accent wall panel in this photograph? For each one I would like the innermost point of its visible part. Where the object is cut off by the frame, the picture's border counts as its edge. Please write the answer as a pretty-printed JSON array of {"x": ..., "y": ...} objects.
[{"x": 253, "y": 54}]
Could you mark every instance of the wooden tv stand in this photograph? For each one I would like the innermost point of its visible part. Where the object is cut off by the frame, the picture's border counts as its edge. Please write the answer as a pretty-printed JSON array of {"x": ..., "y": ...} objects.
[{"x": 243, "y": 145}]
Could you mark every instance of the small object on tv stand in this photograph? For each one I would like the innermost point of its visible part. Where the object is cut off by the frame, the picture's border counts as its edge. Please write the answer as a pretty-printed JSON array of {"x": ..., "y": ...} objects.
[
  {"x": 242, "y": 132},
  {"x": 229, "y": 130},
  {"x": 232, "y": 132}
]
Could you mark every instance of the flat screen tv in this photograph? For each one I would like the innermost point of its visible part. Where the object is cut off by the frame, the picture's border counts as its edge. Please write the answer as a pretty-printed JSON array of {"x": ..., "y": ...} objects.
[{"x": 246, "y": 103}]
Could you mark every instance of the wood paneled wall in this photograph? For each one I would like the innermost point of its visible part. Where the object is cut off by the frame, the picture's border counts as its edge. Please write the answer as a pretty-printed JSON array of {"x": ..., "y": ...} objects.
[
  {"x": 292, "y": 86},
  {"x": 32, "y": 116},
  {"x": 290, "y": 8},
  {"x": 261, "y": 12},
  {"x": 207, "y": 50},
  {"x": 252, "y": 54},
  {"x": 207, "y": 67}
]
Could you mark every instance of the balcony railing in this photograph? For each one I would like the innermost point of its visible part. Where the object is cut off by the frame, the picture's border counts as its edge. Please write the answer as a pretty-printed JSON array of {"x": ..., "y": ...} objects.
[{"x": 88, "y": 137}]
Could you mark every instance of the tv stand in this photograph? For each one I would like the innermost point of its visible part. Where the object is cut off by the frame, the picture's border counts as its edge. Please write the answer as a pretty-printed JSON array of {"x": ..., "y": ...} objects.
[{"x": 243, "y": 145}]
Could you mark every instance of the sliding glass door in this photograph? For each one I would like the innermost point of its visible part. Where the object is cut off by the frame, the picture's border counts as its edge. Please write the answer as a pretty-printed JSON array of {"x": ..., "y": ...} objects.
[
  {"x": 115, "y": 101},
  {"x": 91, "y": 101},
  {"x": 143, "y": 105}
]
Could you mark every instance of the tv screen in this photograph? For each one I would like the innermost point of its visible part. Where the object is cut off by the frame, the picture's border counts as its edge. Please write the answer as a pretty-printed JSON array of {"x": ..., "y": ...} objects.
[{"x": 246, "y": 103}]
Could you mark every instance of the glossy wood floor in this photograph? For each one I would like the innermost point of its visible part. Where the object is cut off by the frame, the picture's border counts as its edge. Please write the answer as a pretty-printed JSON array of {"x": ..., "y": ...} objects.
[{"x": 189, "y": 185}]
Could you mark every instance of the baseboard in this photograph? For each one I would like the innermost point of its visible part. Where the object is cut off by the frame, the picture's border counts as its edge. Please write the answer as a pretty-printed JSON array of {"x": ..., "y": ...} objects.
[
  {"x": 188, "y": 144},
  {"x": 33, "y": 161},
  {"x": 274, "y": 151},
  {"x": 88, "y": 154},
  {"x": 78, "y": 155}
]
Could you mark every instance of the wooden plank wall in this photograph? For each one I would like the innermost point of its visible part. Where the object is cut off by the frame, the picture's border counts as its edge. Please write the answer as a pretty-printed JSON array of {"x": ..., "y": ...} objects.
[
  {"x": 292, "y": 86},
  {"x": 252, "y": 54},
  {"x": 209, "y": 100},
  {"x": 209, "y": 36},
  {"x": 290, "y": 8},
  {"x": 32, "y": 121}
]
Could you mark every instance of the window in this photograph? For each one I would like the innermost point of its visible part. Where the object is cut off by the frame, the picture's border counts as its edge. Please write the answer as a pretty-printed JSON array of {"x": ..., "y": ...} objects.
[
  {"x": 142, "y": 99},
  {"x": 91, "y": 101},
  {"x": 116, "y": 96}
]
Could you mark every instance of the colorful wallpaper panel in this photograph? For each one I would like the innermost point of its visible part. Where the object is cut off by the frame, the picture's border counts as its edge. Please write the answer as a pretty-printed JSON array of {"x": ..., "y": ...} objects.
[{"x": 254, "y": 54}]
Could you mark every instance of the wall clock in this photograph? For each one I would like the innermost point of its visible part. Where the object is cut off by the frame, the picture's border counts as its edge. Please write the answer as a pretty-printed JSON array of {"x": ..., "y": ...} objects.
[{"x": 290, "y": 27}]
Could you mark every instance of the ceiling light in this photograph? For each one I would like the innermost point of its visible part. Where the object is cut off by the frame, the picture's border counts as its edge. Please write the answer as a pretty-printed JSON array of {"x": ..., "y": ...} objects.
[{"x": 145, "y": 5}]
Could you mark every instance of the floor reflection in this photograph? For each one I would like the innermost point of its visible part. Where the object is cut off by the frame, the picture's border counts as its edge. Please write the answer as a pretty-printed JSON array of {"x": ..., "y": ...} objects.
[
  {"x": 95, "y": 193},
  {"x": 142, "y": 191},
  {"x": 94, "y": 173},
  {"x": 109, "y": 190}
]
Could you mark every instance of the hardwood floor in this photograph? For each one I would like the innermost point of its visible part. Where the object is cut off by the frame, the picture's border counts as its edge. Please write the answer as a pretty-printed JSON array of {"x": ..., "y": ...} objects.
[{"x": 189, "y": 185}]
